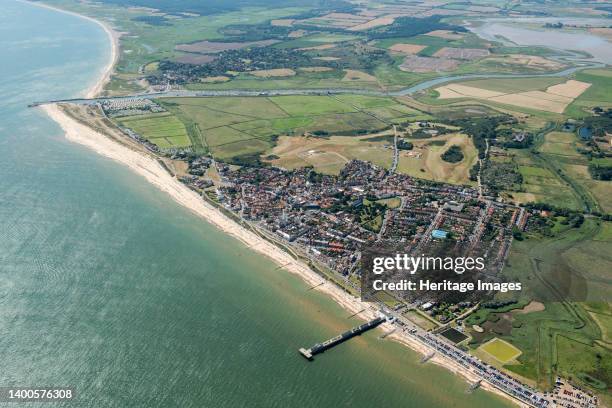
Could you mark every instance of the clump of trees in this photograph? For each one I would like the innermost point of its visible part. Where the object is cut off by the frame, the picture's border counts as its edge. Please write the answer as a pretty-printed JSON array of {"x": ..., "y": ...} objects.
[
  {"x": 481, "y": 129},
  {"x": 152, "y": 20},
  {"x": 544, "y": 225},
  {"x": 404, "y": 145},
  {"x": 411, "y": 26},
  {"x": 474, "y": 171},
  {"x": 454, "y": 154},
  {"x": 247, "y": 160},
  {"x": 601, "y": 124},
  {"x": 600, "y": 172}
]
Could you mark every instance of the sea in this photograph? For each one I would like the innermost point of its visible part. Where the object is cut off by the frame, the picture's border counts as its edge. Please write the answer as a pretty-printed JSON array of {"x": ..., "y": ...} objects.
[{"x": 109, "y": 287}]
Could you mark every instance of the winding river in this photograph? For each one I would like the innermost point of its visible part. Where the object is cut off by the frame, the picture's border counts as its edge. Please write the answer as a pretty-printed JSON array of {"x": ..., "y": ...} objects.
[{"x": 580, "y": 65}]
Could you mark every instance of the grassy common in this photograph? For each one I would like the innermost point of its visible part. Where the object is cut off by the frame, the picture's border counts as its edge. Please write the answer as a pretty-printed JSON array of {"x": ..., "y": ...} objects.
[
  {"x": 328, "y": 155},
  {"x": 425, "y": 160},
  {"x": 164, "y": 130},
  {"x": 235, "y": 126}
]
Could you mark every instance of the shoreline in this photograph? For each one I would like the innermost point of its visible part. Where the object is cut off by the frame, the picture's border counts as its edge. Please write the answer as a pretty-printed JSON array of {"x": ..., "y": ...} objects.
[{"x": 149, "y": 168}]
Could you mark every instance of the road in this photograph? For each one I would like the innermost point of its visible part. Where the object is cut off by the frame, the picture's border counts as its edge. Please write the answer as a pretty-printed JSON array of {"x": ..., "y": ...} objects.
[
  {"x": 483, "y": 371},
  {"x": 427, "y": 234},
  {"x": 481, "y": 164},
  {"x": 395, "y": 152}
]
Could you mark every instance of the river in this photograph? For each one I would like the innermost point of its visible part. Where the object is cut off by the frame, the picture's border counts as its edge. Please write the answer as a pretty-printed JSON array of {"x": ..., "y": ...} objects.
[
  {"x": 511, "y": 32},
  {"x": 108, "y": 286}
]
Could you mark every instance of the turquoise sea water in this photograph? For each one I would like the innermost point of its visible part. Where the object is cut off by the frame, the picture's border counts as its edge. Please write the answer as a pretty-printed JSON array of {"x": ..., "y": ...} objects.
[{"x": 108, "y": 286}]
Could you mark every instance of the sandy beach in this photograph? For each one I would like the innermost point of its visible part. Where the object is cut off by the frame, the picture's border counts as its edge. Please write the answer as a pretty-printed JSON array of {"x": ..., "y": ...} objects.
[{"x": 149, "y": 168}]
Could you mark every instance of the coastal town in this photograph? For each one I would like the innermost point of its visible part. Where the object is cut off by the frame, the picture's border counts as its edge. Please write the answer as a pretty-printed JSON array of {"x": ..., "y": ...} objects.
[
  {"x": 329, "y": 221},
  {"x": 323, "y": 217},
  {"x": 333, "y": 219}
]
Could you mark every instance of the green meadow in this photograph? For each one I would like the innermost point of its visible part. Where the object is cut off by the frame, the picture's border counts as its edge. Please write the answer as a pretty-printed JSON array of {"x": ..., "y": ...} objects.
[
  {"x": 598, "y": 94},
  {"x": 164, "y": 130},
  {"x": 234, "y": 126}
]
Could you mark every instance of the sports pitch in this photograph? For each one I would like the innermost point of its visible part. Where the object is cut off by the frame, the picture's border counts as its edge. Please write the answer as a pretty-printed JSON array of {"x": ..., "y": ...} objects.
[{"x": 501, "y": 350}]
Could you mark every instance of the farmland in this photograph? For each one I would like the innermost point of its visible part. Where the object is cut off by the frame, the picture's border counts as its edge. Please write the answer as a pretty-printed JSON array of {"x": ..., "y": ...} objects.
[
  {"x": 433, "y": 42},
  {"x": 597, "y": 95},
  {"x": 521, "y": 63},
  {"x": 147, "y": 43},
  {"x": 542, "y": 185},
  {"x": 364, "y": 40},
  {"x": 560, "y": 150},
  {"x": 195, "y": 41},
  {"x": 294, "y": 131},
  {"x": 554, "y": 98}
]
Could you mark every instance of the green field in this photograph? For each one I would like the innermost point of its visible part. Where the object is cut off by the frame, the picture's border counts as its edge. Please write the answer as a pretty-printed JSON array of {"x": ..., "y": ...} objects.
[
  {"x": 310, "y": 105},
  {"x": 316, "y": 39},
  {"x": 603, "y": 318},
  {"x": 394, "y": 202},
  {"x": 235, "y": 126},
  {"x": 571, "y": 181},
  {"x": 599, "y": 94},
  {"x": 365, "y": 102},
  {"x": 541, "y": 182},
  {"x": 598, "y": 192},
  {"x": 164, "y": 130},
  {"x": 419, "y": 319},
  {"x": 559, "y": 143},
  {"x": 501, "y": 350},
  {"x": 605, "y": 232},
  {"x": 330, "y": 37}
]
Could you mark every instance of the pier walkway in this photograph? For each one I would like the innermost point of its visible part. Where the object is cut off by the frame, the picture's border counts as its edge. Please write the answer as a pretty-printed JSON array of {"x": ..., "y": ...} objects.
[{"x": 334, "y": 341}]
